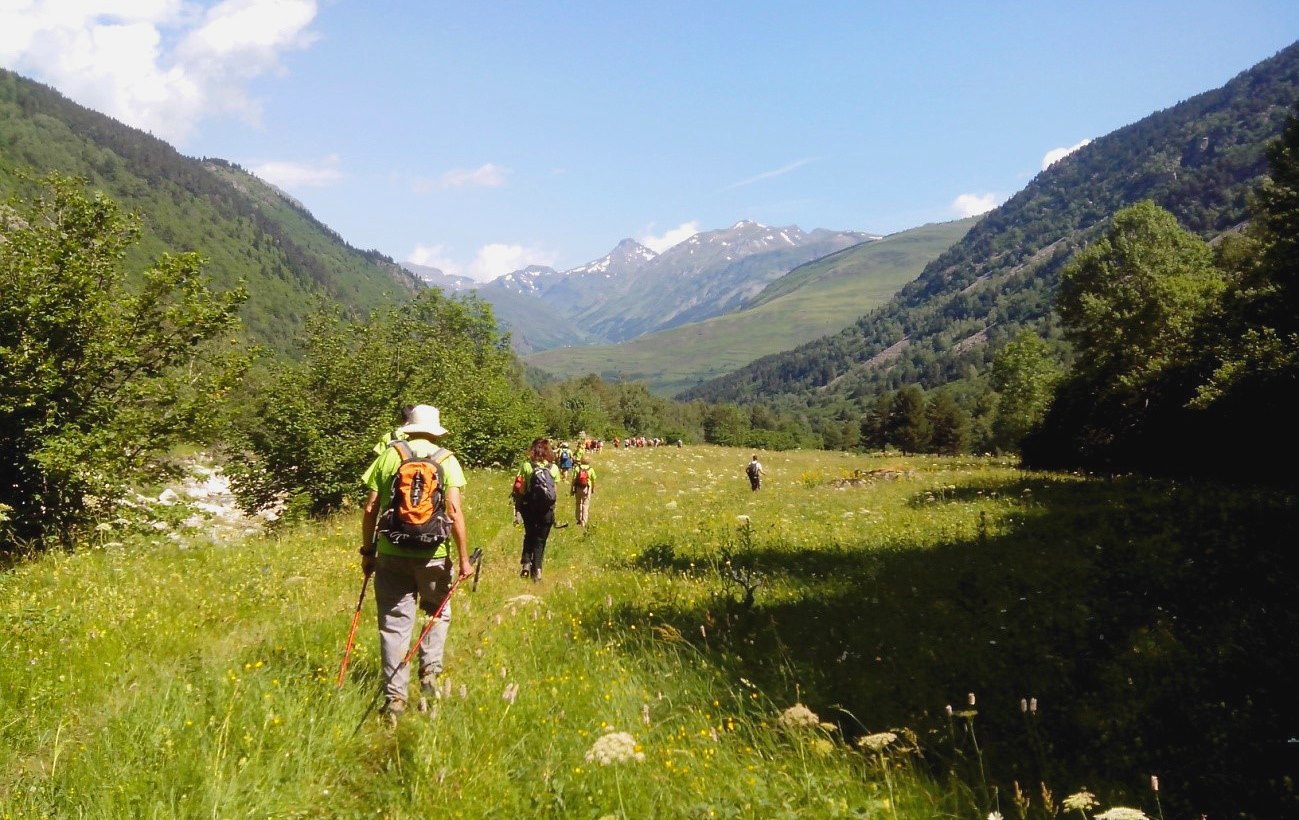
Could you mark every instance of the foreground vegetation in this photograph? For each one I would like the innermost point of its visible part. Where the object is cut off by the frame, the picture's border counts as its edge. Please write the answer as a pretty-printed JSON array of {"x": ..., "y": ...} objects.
[{"x": 155, "y": 679}]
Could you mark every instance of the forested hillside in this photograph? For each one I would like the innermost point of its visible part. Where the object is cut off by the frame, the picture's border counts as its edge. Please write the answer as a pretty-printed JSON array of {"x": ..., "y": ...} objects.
[
  {"x": 245, "y": 229},
  {"x": 1199, "y": 159}
]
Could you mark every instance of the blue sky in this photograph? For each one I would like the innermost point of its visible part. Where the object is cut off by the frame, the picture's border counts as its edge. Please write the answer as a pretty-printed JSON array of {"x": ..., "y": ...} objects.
[{"x": 481, "y": 137}]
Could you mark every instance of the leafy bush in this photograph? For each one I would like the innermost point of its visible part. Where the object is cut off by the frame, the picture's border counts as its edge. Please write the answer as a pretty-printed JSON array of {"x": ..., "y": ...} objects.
[
  {"x": 315, "y": 425},
  {"x": 100, "y": 377}
]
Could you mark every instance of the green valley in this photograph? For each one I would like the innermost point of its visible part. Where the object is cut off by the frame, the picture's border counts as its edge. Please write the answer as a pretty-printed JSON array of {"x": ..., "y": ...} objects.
[{"x": 814, "y": 299}]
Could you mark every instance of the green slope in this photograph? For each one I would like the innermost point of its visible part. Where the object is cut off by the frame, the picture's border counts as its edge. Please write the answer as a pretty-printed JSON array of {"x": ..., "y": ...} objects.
[
  {"x": 810, "y": 301},
  {"x": 1199, "y": 159},
  {"x": 246, "y": 229}
]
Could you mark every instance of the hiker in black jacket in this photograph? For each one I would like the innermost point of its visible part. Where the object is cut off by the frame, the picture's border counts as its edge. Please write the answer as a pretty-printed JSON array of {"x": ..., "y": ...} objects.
[{"x": 534, "y": 495}]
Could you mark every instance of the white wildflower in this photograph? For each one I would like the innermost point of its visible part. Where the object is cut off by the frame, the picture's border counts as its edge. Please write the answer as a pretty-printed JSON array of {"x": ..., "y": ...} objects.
[
  {"x": 511, "y": 692},
  {"x": 615, "y": 747},
  {"x": 798, "y": 716},
  {"x": 1122, "y": 813},
  {"x": 994, "y": 815},
  {"x": 1080, "y": 801},
  {"x": 877, "y": 741}
]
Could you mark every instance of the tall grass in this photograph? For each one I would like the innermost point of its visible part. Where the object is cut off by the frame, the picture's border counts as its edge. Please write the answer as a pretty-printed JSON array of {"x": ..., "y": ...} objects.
[{"x": 163, "y": 681}]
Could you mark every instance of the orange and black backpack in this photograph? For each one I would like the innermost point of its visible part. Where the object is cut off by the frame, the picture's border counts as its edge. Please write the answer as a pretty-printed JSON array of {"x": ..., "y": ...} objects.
[{"x": 416, "y": 517}]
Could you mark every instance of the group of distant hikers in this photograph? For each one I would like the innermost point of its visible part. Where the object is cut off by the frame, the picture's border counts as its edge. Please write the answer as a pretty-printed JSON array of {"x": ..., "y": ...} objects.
[{"x": 414, "y": 512}]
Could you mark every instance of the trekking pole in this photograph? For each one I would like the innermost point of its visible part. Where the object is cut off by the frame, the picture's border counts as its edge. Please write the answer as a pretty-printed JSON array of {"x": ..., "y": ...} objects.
[
  {"x": 351, "y": 633},
  {"x": 475, "y": 559}
]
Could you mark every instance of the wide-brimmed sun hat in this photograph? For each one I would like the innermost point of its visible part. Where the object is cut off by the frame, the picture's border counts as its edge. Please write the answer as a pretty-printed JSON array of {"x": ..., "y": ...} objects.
[{"x": 424, "y": 418}]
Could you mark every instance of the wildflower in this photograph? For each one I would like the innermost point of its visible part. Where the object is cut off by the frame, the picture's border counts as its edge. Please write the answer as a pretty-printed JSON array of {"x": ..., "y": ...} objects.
[
  {"x": 798, "y": 716},
  {"x": 1023, "y": 705},
  {"x": 1122, "y": 813},
  {"x": 644, "y": 714},
  {"x": 1032, "y": 706},
  {"x": 614, "y": 747},
  {"x": 877, "y": 741},
  {"x": 971, "y": 698},
  {"x": 511, "y": 692},
  {"x": 822, "y": 747},
  {"x": 103, "y": 527},
  {"x": 994, "y": 815},
  {"x": 1080, "y": 801},
  {"x": 1154, "y": 782},
  {"x": 742, "y": 518}
]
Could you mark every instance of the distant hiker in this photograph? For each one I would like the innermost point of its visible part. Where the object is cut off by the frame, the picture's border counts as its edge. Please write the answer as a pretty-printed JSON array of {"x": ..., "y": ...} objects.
[
  {"x": 413, "y": 509},
  {"x": 534, "y": 491},
  {"x": 565, "y": 460},
  {"x": 755, "y": 473},
  {"x": 583, "y": 488},
  {"x": 403, "y": 416},
  {"x": 678, "y": 444}
]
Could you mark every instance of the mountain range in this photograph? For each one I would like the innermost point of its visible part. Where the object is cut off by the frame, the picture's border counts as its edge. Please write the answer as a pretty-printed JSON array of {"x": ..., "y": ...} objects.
[{"x": 631, "y": 290}]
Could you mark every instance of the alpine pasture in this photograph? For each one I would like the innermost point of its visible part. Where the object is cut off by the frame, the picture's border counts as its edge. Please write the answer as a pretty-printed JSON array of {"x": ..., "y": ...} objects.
[{"x": 873, "y": 636}]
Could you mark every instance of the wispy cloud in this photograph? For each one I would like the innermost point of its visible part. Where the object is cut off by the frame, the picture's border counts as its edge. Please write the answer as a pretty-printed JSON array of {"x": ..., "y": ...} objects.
[
  {"x": 490, "y": 261},
  {"x": 488, "y": 175},
  {"x": 295, "y": 175},
  {"x": 662, "y": 242},
  {"x": 975, "y": 204},
  {"x": 498, "y": 259},
  {"x": 435, "y": 256},
  {"x": 160, "y": 65},
  {"x": 1057, "y": 154},
  {"x": 793, "y": 166}
]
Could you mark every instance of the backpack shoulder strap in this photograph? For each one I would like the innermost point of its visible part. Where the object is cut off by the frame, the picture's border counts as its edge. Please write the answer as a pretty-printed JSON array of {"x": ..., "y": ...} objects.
[
  {"x": 439, "y": 455},
  {"x": 403, "y": 450}
]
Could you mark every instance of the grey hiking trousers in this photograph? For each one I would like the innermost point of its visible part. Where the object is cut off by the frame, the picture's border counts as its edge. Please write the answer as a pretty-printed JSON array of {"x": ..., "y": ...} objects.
[{"x": 398, "y": 583}]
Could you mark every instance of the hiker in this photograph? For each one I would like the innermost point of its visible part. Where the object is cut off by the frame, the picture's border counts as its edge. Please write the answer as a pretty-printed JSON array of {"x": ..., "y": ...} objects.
[
  {"x": 583, "y": 488},
  {"x": 403, "y": 416},
  {"x": 419, "y": 568},
  {"x": 534, "y": 491},
  {"x": 755, "y": 473},
  {"x": 565, "y": 460}
]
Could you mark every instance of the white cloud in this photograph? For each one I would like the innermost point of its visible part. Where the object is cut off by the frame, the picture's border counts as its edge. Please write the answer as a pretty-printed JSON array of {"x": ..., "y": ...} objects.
[
  {"x": 975, "y": 204},
  {"x": 160, "y": 65},
  {"x": 793, "y": 166},
  {"x": 294, "y": 175},
  {"x": 1057, "y": 154},
  {"x": 488, "y": 175},
  {"x": 435, "y": 256},
  {"x": 498, "y": 259},
  {"x": 681, "y": 233}
]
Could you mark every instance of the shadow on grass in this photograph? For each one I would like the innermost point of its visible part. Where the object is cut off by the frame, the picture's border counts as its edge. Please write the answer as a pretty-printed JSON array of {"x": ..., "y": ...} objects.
[{"x": 1153, "y": 623}]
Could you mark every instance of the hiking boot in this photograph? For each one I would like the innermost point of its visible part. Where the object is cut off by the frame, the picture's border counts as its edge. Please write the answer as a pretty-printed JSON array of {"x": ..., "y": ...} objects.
[
  {"x": 393, "y": 709},
  {"x": 525, "y": 569},
  {"x": 536, "y": 575}
]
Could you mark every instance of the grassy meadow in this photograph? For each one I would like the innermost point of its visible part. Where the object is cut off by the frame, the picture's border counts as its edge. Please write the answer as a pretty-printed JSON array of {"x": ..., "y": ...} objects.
[{"x": 968, "y": 638}]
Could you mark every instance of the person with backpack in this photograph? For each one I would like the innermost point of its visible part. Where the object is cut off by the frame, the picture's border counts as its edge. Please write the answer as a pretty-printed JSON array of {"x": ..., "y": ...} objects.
[
  {"x": 534, "y": 493},
  {"x": 565, "y": 460},
  {"x": 755, "y": 473},
  {"x": 583, "y": 488},
  {"x": 403, "y": 417},
  {"x": 412, "y": 513}
]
